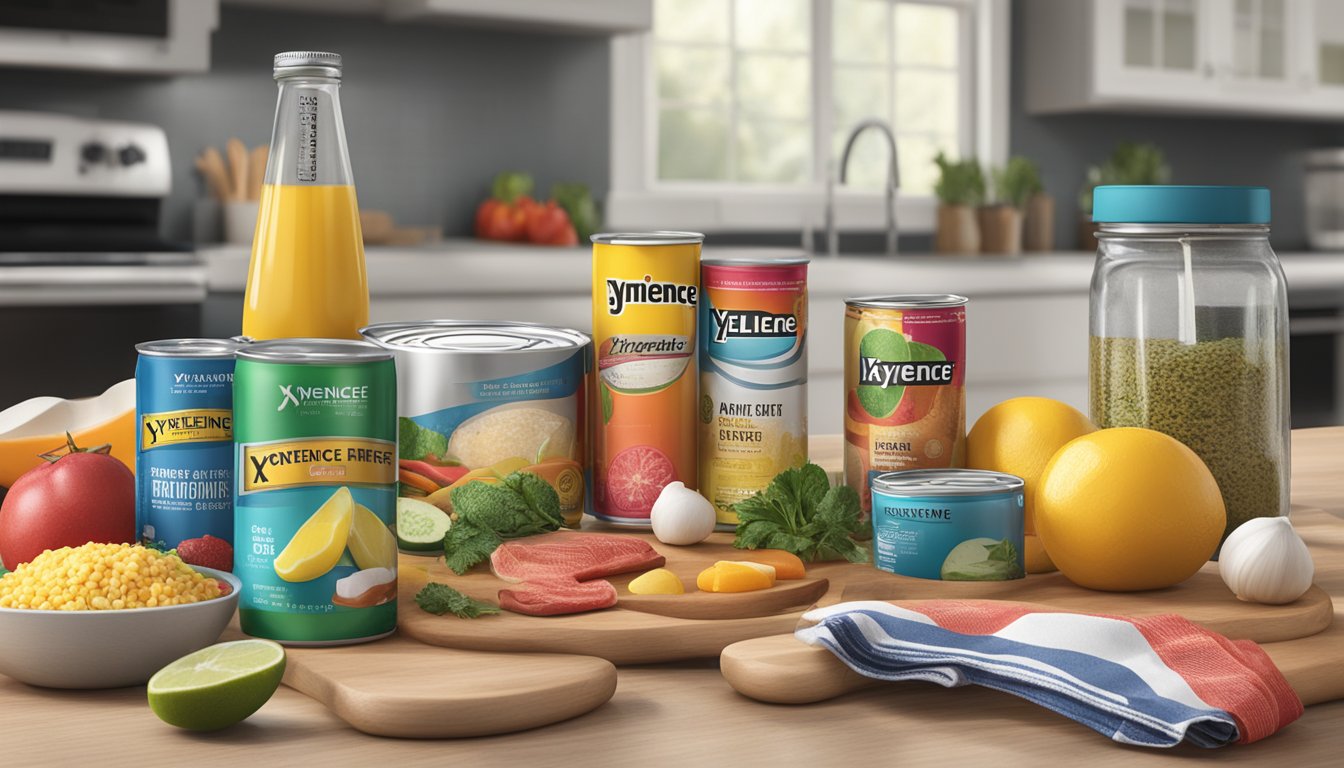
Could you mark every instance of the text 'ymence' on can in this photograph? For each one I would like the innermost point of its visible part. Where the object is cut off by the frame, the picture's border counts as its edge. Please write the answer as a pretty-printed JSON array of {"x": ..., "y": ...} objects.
[
  {"x": 950, "y": 524},
  {"x": 315, "y": 493},
  {"x": 905, "y": 394},
  {"x": 493, "y": 398},
  {"x": 646, "y": 287},
  {"x": 184, "y": 442},
  {"x": 753, "y": 376}
]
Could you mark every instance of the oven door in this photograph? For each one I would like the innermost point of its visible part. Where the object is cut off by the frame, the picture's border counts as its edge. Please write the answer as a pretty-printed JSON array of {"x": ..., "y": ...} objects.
[{"x": 71, "y": 324}]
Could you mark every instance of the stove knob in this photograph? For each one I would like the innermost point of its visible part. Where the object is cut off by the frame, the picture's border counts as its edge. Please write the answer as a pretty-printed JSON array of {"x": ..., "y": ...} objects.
[
  {"x": 131, "y": 154},
  {"x": 93, "y": 152}
]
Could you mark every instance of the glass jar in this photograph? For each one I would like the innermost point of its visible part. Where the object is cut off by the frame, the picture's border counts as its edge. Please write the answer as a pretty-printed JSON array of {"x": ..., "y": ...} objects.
[{"x": 1189, "y": 332}]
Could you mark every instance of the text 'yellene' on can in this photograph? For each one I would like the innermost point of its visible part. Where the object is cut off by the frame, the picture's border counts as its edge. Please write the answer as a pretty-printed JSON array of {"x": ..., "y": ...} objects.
[
  {"x": 184, "y": 442},
  {"x": 950, "y": 524},
  {"x": 315, "y": 493},
  {"x": 753, "y": 376}
]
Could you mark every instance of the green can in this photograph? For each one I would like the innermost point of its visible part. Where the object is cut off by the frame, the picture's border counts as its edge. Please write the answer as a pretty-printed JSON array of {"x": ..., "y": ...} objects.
[{"x": 315, "y": 472}]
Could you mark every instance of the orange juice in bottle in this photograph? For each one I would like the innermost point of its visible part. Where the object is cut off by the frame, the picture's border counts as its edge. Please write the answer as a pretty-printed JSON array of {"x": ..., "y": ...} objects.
[
  {"x": 646, "y": 288},
  {"x": 307, "y": 273}
]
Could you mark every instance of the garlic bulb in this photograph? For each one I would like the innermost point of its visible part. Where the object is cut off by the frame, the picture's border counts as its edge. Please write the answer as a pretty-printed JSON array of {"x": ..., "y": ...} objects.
[
  {"x": 1265, "y": 561},
  {"x": 681, "y": 516}
]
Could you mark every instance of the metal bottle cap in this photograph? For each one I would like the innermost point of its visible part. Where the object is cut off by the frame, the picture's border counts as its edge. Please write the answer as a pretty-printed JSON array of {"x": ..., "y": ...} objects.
[{"x": 312, "y": 63}]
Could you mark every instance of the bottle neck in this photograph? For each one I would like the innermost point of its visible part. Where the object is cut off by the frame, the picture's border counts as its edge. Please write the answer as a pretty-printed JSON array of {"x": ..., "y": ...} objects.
[{"x": 308, "y": 145}]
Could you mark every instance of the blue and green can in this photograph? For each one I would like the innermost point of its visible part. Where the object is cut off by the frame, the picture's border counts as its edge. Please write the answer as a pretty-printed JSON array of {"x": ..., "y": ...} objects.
[
  {"x": 315, "y": 459},
  {"x": 184, "y": 441}
]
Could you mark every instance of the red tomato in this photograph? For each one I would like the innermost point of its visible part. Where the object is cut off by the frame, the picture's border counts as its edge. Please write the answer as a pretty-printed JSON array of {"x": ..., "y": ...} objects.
[
  {"x": 549, "y": 225},
  {"x": 79, "y": 498}
]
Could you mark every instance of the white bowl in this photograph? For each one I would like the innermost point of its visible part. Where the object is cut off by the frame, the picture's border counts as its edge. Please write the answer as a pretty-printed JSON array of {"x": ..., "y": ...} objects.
[{"x": 109, "y": 649}]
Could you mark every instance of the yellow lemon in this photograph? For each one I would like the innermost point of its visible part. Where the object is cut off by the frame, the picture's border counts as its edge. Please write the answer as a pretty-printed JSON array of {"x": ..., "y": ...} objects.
[
  {"x": 319, "y": 543},
  {"x": 1128, "y": 509},
  {"x": 1019, "y": 436},
  {"x": 371, "y": 542},
  {"x": 1037, "y": 561}
]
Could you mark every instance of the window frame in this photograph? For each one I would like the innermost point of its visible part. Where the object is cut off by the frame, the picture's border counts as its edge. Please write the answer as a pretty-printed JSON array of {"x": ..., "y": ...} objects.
[{"x": 638, "y": 200}]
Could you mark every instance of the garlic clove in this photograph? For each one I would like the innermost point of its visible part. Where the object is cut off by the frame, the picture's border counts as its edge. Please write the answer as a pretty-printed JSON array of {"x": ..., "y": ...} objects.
[
  {"x": 1265, "y": 561},
  {"x": 681, "y": 516}
]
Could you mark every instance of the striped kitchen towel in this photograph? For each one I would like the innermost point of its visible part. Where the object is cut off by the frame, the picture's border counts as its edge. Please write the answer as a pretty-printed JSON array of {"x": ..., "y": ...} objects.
[{"x": 1153, "y": 681}]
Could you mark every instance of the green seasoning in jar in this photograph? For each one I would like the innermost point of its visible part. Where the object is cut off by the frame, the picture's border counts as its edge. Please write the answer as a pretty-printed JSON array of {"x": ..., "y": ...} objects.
[{"x": 1189, "y": 333}]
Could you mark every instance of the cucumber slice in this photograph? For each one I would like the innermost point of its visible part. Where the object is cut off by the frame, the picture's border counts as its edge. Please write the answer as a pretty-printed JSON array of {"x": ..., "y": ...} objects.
[{"x": 421, "y": 526}]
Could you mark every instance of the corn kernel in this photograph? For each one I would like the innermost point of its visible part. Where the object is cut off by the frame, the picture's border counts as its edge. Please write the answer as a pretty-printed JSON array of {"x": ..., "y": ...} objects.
[{"x": 104, "y": 577}]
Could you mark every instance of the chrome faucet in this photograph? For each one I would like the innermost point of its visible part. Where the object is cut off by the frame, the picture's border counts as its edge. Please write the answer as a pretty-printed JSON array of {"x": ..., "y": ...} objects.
[{"x": 893, "y": 184}]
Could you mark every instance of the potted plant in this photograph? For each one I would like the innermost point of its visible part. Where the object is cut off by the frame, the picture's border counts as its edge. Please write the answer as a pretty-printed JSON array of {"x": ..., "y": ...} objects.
[
  {"x": 1001, "y": 223},
  {"x": 960, "y": 188},
  {"x": 1129, "y": 163}
]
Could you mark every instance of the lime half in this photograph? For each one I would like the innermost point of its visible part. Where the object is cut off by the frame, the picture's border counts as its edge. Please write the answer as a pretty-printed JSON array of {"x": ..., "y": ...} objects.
[{"x": 218, "y": 686}]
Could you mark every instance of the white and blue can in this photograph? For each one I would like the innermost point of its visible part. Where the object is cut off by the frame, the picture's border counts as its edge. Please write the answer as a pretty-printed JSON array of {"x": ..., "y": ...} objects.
[{"x": 949, "y": 524}]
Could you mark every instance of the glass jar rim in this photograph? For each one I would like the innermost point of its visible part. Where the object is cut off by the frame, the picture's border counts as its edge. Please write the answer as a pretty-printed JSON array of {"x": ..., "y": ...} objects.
[{"x": 1117, "y": 231}]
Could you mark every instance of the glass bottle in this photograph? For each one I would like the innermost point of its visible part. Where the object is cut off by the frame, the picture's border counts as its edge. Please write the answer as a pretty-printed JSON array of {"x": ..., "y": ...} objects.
[
  {"x": 1189, "y": 327},
  {"x": 307, "y": 275}
]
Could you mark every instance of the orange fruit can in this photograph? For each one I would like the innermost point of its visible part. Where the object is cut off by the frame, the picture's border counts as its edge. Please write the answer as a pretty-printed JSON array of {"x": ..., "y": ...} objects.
[{"x": 646, "y": 290}]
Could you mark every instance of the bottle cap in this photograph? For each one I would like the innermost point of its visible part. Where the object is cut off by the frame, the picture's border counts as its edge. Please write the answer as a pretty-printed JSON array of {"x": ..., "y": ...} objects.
[
  {"x": 1176, "y": 204},
  {"x": 314, "y": 63}
]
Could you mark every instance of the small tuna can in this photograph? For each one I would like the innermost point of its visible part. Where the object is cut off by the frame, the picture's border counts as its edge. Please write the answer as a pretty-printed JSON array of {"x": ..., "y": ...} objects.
[{"x": 949, "y": 524}]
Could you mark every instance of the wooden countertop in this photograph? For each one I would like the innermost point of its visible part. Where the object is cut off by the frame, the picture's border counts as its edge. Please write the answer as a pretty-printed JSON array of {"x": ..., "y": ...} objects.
[{"x": 685, "y": 714}]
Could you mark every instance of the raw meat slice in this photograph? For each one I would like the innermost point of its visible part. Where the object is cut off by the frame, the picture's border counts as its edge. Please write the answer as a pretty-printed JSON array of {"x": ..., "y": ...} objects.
[
  {"x": 578, "y": 556},
  {"x": 563, "y": 570},
  {"x": 552, "y": 597}
]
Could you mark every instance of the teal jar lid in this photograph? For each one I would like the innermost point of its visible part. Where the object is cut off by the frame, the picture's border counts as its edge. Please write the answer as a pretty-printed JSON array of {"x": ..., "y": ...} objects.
[{"x": 1176, "y": 204}]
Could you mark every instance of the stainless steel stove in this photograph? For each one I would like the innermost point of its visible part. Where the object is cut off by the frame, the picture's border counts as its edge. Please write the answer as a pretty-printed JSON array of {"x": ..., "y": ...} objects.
[{"x": 84, "y": 271}]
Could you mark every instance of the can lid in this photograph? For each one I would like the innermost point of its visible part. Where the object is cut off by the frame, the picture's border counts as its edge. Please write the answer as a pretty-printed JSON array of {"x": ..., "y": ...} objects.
[
  {"x": 757, "y": 261},
  {"x": 648, "y": 238},
  {"x": 947, "y": 482},
  {"x": 201, "y": 348},
  {"x": 469, "y": 336},
  {"x": 908, "y": 301},
  {"x": 1179, "y": 204},
  {"x": 316, "y": 63},
  {"x": 318, "y": 351}
]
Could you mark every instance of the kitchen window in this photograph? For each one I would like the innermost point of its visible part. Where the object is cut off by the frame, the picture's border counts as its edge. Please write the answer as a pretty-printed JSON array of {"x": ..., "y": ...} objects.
[{"x": 731, "y": 114}]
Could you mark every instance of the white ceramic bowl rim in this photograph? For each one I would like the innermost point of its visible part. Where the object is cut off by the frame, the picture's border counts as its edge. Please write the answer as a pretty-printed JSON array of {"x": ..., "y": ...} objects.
[{"x": 234, "y": 584}]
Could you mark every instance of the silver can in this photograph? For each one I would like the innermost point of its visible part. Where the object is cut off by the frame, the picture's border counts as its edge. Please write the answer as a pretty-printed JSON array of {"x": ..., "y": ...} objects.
[{"x": 493, "y": 398}]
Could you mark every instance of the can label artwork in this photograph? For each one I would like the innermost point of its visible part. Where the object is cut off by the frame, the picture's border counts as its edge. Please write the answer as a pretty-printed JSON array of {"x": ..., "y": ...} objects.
[
  {"x": 184, "y": 445},
  {"x": 316, "y": 464},
  {"x": 954, "y": 525},
  {"x": 646, "y": 290},
  {"x": 905, "y": 395},
  {"x": 489, "y": 399},
  {"x": 753, "y": 377}
]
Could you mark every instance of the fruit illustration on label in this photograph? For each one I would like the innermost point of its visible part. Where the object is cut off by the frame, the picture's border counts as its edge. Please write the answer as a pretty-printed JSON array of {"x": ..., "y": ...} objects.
[
  {"x": 371, "y": 543},
  {"x": 319, "y": 543},
  {"x": 636, "y": 477}
]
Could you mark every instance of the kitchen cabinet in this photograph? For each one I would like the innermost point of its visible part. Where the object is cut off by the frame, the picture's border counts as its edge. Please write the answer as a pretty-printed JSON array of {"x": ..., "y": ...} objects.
[
  {"x": 594, "y": 17},
  {"x": 1270, "y": 58}
]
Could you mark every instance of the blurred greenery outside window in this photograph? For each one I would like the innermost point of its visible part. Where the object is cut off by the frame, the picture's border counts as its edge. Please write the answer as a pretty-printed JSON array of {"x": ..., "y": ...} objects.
[{"x": 763, "y": 93}]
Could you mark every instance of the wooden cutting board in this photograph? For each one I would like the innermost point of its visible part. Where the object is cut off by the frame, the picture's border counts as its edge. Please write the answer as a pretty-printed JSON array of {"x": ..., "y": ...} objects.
[
  {"x": 399, "y": 687},
  {"x": 625, "y": 636},
  {"x": 783, "y": 670}
]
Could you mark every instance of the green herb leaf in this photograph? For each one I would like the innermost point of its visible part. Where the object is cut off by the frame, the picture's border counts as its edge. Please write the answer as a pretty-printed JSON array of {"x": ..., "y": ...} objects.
[
  {"x": 511, "y": 185},
  {"x": 415, "y": 442},
  {"x": 608, "y": 405},
  {"x": 1016, "y": 182},
  {"x": 521, "y": 504},
  {"x": 800, "y": 512},
  {"x": 441, "y": 598},
  {"x": 960, "y": 182}
]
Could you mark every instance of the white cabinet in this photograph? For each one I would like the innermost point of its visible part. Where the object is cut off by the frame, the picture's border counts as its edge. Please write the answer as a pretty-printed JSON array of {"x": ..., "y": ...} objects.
[{"x": 1256, "y": 57}]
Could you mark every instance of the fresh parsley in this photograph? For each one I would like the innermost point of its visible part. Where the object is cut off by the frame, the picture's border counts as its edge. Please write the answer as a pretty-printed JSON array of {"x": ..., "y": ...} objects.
[
  {"x": 415, "y": 442},
  {"x": 440, "y": 599},
  {"x": 800, "y": 512},
  {"x": 521, "y": 504}
]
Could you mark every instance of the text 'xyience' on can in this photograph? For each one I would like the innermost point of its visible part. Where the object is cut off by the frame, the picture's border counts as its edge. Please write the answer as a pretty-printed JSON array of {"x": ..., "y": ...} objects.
[
  {"x": 184, "y": 441},
  {"x": 753, "y": 376},
  {"x": 315, "y": 493}
]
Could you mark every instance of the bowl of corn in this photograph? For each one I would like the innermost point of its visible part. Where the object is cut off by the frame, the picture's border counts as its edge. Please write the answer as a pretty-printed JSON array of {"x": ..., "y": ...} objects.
[{"x": 107, "y": 615}]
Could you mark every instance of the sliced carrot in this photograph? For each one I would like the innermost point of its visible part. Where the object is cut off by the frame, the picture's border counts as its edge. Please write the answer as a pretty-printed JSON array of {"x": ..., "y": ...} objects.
[
  {"x": 787, "y": 565},
  {"x": 416, "y": 480},
  {"x": 441, "y": 475}
]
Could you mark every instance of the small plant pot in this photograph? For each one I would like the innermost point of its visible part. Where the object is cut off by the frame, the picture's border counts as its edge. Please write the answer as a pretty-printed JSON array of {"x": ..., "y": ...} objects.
[
  {"x": 1087, "y": 232},
  {"x": 1038, "y": 227},
  {"x": 1000, "y": 229},
  {"x": 958, "y": 230}
]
